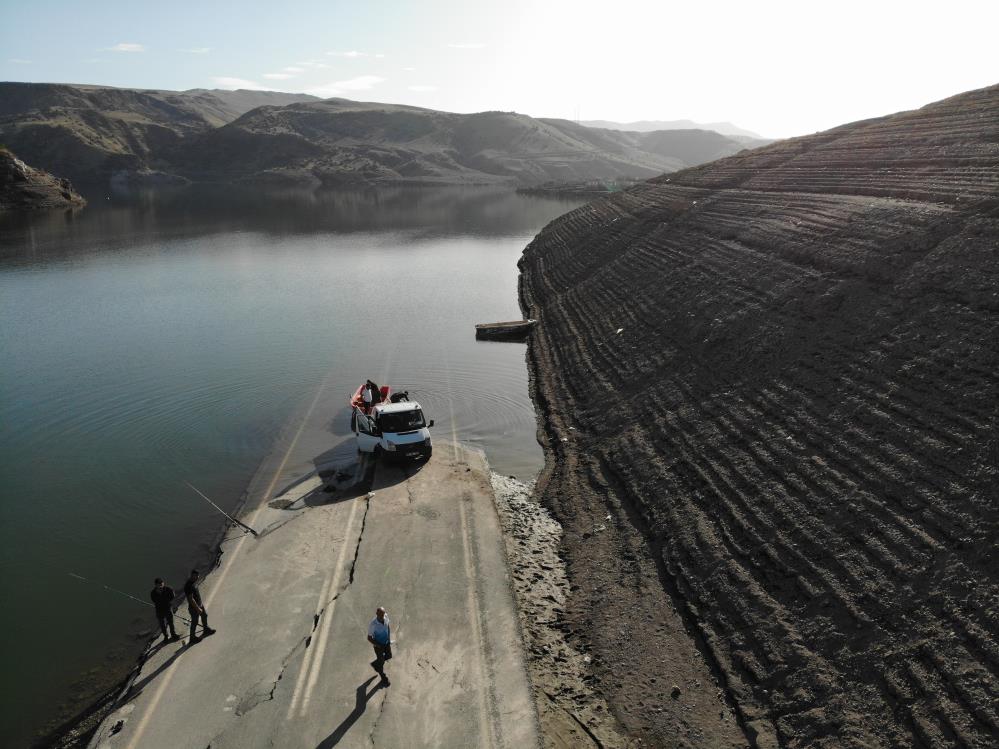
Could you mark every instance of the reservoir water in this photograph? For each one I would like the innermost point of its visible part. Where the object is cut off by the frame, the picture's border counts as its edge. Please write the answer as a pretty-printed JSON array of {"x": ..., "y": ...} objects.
[{"x": 167, "y": 336}]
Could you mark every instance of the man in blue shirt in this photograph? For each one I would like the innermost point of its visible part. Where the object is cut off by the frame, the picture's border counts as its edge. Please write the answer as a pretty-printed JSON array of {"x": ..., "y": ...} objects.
[{"x": 380, "y": 637}]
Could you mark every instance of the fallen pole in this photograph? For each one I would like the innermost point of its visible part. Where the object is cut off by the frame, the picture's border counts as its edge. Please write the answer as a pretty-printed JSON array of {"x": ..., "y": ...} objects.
[{"x": 237, "y": 522}]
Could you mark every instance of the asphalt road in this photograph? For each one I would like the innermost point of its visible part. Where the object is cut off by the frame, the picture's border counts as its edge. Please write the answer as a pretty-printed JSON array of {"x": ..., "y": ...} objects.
[{"x": 290, "y": 665}]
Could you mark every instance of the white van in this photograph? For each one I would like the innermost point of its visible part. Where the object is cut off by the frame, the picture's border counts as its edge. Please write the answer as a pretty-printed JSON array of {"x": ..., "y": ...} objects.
[{"x": 396, "y": 430}]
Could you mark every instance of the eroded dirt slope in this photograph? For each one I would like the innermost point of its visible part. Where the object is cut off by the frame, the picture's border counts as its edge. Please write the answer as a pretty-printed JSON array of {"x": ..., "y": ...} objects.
[{"x": 769, "y": 385}]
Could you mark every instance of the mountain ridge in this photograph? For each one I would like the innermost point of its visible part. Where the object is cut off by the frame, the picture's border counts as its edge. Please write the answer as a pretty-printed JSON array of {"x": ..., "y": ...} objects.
[
  {"x": 99, "y": 133},
  {"x": 645, "y": 126}
]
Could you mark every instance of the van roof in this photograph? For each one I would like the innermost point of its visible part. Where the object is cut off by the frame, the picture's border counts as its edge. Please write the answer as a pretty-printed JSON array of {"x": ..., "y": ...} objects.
[{"x": 391, "y": 408}]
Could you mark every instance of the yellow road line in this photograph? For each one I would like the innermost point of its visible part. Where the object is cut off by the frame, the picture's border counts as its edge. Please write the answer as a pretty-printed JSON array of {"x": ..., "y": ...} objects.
[
  {"x": 217, "y": 583},
  {"x": 313, "y": 663},
  {"x": 450, "y": 405},
  {"x": 486, "y": 733},
  {"x": 324, "y": 595}
]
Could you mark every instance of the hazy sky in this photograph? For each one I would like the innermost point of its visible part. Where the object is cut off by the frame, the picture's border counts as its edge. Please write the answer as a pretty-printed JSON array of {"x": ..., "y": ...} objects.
[{"x": 777, "y": 68}]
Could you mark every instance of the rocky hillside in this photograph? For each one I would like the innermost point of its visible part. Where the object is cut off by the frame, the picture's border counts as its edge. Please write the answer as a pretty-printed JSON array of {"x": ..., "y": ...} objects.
[
  {"x": 93, "y": 133},
  {"x": 23, "y": 188},
  {"x": 770, "y": 391}
]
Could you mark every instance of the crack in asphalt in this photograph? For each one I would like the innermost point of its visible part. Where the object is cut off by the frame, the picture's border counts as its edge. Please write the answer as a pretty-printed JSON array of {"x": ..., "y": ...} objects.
[
  {"x": 357, "y": 550},
  {"x": 259, "y": 693},
  {"x": 374, "y": 725},
  {"x": 409, "y": 485},
  {"x": 316, "y": 618}
]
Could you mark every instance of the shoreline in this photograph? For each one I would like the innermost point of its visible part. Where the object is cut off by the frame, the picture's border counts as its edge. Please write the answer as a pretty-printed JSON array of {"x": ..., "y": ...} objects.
[
  {"x": 78, "y": 730},
  {"x": 652, "y": 673},
  {"x": 570, "y": 712}
]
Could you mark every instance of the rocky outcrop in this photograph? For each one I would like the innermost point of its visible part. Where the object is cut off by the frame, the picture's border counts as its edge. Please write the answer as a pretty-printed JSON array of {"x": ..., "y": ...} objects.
[
  {"x": 23, "y": 188},
  {"x": 769, "y": 389}
]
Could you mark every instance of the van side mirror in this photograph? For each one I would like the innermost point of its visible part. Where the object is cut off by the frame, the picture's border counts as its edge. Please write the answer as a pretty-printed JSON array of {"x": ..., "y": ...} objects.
[{"x": 430, "y": 424}]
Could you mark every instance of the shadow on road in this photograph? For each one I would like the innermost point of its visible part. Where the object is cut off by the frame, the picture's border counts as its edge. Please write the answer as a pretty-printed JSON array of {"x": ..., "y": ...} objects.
[
  {"x": 361, "y": 703},
  {"x": 137, "y": 688}
]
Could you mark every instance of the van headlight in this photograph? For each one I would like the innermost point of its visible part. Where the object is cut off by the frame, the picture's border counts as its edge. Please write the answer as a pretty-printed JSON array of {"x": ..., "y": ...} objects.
[{"x": 389, "y": 445}]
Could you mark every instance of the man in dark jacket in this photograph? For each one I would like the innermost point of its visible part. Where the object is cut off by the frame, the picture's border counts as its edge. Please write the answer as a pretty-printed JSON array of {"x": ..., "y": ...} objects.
[
  {"x": 195, "y": 607},
  {"x": 162, "y": 597}
]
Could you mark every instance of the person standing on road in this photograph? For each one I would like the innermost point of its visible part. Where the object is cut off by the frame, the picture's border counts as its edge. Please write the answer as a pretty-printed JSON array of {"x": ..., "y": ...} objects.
[
  {"x": 376, "y": 393},
  {"x": 162, "y": 596},
  {"x": 196, "y": 608},
  {"x": 380, "y": 637}
]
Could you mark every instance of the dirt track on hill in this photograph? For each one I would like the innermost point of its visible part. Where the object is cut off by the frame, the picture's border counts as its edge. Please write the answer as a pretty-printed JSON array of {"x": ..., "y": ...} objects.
[{"x": 768, "y": 388}]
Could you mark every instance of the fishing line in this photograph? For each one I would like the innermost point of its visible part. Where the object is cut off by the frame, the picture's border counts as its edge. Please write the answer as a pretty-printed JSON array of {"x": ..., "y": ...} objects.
[{"x": 122, "y": 593}]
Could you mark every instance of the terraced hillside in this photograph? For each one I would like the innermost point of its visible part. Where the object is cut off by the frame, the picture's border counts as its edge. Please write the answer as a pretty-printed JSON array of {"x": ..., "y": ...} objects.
[{"x": 769, "y": 387}]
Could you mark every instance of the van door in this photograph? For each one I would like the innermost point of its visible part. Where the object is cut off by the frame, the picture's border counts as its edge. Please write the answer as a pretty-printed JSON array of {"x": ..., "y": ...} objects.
[{"x": 364, "y": 428}]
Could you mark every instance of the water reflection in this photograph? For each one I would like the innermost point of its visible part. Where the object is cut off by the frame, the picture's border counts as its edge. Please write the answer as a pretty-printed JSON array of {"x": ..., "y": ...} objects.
[
  {"x": 168, "y": 335},
  {"x": 208, "y": 209}
]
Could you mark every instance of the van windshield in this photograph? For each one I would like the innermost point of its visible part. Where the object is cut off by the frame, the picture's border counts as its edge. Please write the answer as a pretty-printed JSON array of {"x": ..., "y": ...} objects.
[{"x": 401, "y": 421}]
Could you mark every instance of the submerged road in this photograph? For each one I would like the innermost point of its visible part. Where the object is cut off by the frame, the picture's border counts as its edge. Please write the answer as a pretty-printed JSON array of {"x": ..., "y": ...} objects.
[{"x": 290, "y": 665}]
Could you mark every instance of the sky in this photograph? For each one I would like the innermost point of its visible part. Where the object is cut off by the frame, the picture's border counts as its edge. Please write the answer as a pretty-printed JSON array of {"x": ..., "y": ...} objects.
[{"x": 778, "y": 69}]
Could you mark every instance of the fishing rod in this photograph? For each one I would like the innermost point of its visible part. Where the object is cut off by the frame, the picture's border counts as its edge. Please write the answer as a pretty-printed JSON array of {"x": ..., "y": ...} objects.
[
  {"x": 122, "y": 593},
  {"x": 237, "y": 522}
]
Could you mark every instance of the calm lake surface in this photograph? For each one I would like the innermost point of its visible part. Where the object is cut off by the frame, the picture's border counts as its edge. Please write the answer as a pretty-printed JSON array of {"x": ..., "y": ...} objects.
[{"x": 168, "y": 336}]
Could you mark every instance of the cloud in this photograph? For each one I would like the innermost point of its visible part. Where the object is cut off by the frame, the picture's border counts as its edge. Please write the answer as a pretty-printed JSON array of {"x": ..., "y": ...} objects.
[
  {"x": 197, "y": 50},
  {"x": 360, "y": 83},
  {"x": 126, "y": 47},
  {"x": 313, "y": 64},
  {"x": 293, "y": 69},
  {"x": 422, "y": 87},
  {"x": 410, "y": 69},
  {"x": 379, "y": 55},
  {"x": 467, "y": 45},
  {"x": 278, "y": 76},
  {"x": 234, "y": 83},
  {"x": 19, "y": 61},
  {"x": 337, "y": 88},
  {"x": 351, "y": 53}
]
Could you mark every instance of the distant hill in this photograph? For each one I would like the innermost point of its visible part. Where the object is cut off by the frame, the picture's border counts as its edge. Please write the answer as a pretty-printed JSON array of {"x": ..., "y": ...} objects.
[
  {"x": 92, "y": 132},
  {"x": 23, "y": 188},
  {"x": 95, "y": 133},
  {"x": 345, "y": 141},
  {"x": 220, "y": 107},
  {"x": 647, "y": 126}
]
